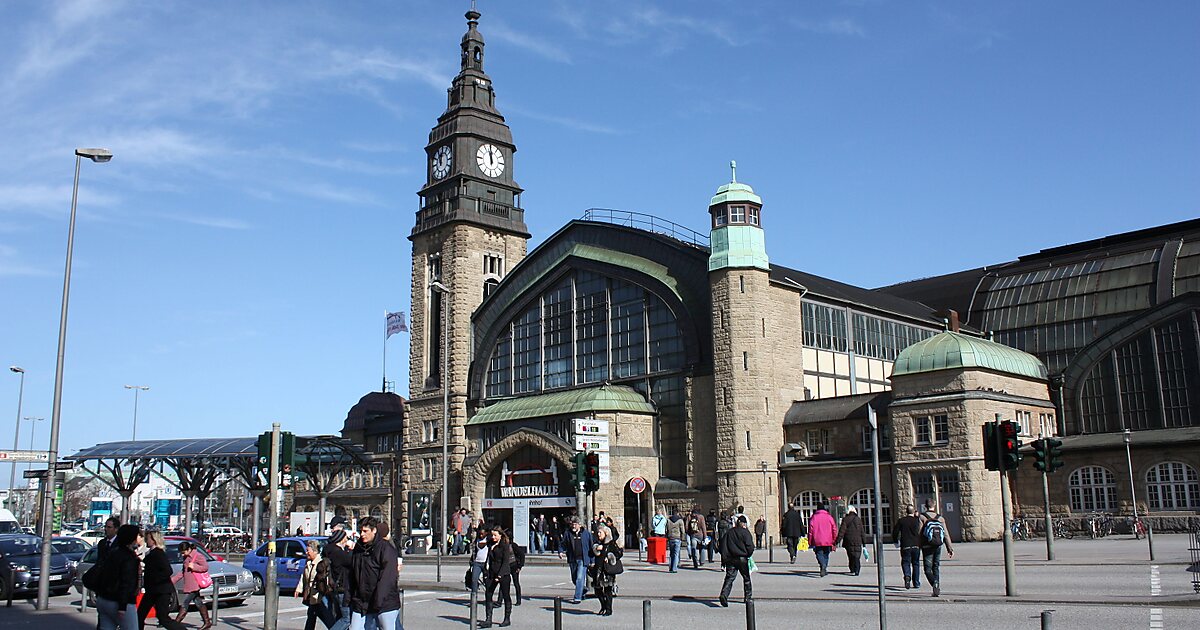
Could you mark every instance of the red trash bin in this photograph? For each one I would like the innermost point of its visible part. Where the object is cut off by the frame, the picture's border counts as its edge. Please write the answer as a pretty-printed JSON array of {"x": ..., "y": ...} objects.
[{"x": 656, "y": 550}]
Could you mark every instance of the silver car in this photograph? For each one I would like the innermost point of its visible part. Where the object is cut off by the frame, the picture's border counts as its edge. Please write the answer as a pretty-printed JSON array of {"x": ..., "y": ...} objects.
[{"x": 234, "y": 584}]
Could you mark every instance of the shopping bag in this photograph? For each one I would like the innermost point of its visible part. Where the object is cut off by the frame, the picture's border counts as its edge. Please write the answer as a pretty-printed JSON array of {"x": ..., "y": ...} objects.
[
  {"x": 866, "y": 554},
  {"x": 803, "y": 544},
  {"x": 751, "y": 564}
]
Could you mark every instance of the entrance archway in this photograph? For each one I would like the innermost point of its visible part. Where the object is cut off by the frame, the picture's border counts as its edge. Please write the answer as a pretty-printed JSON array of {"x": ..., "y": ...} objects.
[{"x": 637, "y": 511}]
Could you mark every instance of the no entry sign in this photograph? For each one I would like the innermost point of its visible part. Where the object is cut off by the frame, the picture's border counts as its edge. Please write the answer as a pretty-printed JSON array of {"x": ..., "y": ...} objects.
[{"x": 637, "y": 485}]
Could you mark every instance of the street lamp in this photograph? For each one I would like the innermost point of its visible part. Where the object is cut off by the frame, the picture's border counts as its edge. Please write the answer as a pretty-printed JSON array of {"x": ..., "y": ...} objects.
[
  {"x": 137, "y": 389},
  {"x": 441, "y": 536},
  {"x": 1132, "y": 484},
  {"x": 12, "y": 477},
  {"x": 43, "y": 596}
]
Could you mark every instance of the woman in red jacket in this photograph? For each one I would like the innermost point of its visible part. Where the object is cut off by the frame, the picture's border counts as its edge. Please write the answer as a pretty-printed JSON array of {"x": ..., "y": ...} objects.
[
  {"x": 195, "y": 572},
  {"x": 822, "y": 532}
]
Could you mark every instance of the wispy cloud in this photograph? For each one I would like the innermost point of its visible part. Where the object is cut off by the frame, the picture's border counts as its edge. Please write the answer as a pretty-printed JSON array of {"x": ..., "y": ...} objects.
[
  {"x": 48, "y": 200},
  {"x": 832, "y": 26},
  {"x": 328, "y": 192},
  {"x": 62, "y": 41},
  {"x": 12, "y": 265},
  {"x": 222, "y": 223},
  {"x": 383, "y": 64},
  {"x": 499, "y": 31},
  {"x": 564, "y": 121},
  {"x": 658, "y": 19}
]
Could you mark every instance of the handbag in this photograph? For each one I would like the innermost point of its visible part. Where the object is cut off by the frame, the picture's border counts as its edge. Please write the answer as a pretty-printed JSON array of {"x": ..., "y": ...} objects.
[
  {"x": 612, "y": 564},
  {"x": 467, "y": 579},
  {"x": 203, "y": 580}
]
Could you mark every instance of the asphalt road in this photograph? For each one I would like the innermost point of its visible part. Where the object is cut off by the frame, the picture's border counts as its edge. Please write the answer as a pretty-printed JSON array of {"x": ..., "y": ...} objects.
[{"x": 1092, "y": 585}]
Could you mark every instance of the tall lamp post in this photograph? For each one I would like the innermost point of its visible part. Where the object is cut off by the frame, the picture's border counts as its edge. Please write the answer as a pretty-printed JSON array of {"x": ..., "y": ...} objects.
[
  {"x": 441, "y": 536},
  {"x": 12, "y": 477},
  {"x": 137, "y": 389},
  {"x": 43, "y": 596},
  {"x": 1132, "y": 484}
]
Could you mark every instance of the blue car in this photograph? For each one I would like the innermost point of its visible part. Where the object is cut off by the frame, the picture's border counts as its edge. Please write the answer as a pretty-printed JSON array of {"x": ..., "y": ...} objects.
[{"x": 289, "y": 561}]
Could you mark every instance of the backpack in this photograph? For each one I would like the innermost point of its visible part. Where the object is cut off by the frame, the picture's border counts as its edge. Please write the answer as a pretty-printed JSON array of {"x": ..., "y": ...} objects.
[
  {"x": 933, "y": 532},
  {"x": 693, "y": 525}
]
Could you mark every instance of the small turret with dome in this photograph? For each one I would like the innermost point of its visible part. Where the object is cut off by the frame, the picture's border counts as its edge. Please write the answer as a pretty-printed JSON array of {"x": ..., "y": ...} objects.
[
  {"x": 737, "y": 238},
  {"x": 953, "y": 350}
]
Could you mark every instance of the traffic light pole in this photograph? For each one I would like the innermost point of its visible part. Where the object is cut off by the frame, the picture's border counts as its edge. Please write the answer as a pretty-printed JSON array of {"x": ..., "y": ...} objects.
[
  {"x": 271, "y": 583},
  {"x": 1010, "y": 578},
  {"x": 1046, "y": 507}
]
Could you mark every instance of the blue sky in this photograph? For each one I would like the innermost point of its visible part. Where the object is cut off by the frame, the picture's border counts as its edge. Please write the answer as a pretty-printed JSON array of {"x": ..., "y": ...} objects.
[{"x": 238, "y": 253}]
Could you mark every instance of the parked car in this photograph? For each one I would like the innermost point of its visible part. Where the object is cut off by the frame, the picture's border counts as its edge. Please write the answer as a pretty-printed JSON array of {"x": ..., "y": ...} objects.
[
  {"x": 20, "y": 566},
  {"x": 202, "y": 546},
  {"x": 72, "y": 548},
  {"x": 91, "y": 536},
  {"x": 289, "y": 561},
  {"x": 234, "y": 585},
  {"x": 224, "y": 531}
]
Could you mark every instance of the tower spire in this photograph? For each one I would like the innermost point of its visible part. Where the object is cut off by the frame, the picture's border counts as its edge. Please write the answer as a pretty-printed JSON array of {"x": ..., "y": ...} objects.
[{"x": 733, "y": 167}]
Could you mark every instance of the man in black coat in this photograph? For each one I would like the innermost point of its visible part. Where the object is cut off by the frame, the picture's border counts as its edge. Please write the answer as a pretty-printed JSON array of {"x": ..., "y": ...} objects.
[
  {"x": 792, "y": 530},
  {"x": 340, "y": 565},
  {"x": 736, "y": 547},
  {"x": 375, "y": 568},
  {"x": 110, "y": 535}
]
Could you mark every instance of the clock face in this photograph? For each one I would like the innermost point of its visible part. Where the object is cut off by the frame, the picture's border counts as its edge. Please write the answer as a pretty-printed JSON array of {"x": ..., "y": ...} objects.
[
  {"x": 490, "y": 159},
  {"x": 442, "y": 159}
]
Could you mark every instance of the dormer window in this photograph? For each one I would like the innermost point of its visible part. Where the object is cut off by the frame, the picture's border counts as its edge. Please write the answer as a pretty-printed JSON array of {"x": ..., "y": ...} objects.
[
  {"x": 720, "y": 218},
  {"x": 753, "y": 216},
  {"x": 737, "y": 214}
]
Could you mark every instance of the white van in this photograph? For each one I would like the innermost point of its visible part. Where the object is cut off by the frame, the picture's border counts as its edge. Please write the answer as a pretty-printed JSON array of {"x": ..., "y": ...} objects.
[{"x": 8, "y": 523}]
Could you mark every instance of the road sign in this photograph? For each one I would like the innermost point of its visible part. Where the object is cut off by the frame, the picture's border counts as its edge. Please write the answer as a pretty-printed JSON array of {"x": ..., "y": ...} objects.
[
  {"x": 591, "y": 427},
  {"x": 35, "y": 474},
  {"x": 24, "y": 456},
  {"x": 67, "y": 465},
  {"x": 637, "y": 485}
]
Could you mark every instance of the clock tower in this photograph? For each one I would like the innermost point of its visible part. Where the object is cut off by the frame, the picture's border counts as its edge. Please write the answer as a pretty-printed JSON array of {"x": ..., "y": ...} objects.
[{"x": 469, "y": 231}]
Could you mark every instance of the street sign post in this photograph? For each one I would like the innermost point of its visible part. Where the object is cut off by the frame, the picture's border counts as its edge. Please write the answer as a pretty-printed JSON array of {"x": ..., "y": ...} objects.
[
  {"x": 35, "y": 474},
  {"x": 24, "y": 456}
]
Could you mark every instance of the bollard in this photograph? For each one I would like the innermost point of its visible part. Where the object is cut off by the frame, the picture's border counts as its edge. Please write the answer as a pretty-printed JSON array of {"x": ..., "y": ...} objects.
[
  {"x": 1150, "y": 539},
  {"x": 770, "y": 550},
  {"x": 475, "y": 608},
  {"x": 10, "y": 590},
  {"x": 645, "y": 614},
  {"x": 1047, "y": 619},
  {"x": 216, "y": 600},
  {"x": 557, "y": 613},
  {"x": 82, "y": 600},
  {"x": 749, "y": 614},
  {"x": 400, "y": 619}
]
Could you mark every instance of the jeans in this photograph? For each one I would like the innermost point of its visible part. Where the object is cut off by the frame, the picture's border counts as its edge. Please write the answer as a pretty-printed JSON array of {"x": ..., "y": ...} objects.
[
  {"x": 910, "y": 562},
  {"x": 732, "y": 568},
  {"x": 476, "y": 572},
  {"x": 854, "y": 559},
  {"x": 823, "y": 557},
  {"x": 458, "y": 544},
  {"x": 578, "y": 577},
  {"x": 712, "y": 545},
  {"x": 696, "y": 551},
  {"x": 673, "y": 547},
  {"x": 389, "y": 620},
  {"x": 758, "y": 540},
  {"x": 343, "y": 622},
  {"x": 931, "y": 557},
  {"x": 112, "y": 616},
  {"x": 792, "y": 542}
]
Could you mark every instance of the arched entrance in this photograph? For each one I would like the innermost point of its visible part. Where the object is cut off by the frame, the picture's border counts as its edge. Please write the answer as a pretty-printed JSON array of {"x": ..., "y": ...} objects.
[{"x": 637, "y": 510}]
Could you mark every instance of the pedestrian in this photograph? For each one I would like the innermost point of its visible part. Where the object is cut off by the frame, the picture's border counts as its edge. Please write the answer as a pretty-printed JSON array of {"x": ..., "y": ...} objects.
[
  {"x": 850, "y": 538},
  {"x": 822, "y": 532},
  {"x": 316, "y": 582},
  {"x": 156, "y": 580},
  {"x": 111, "y": 525},
  {"x": 499, "y": 574},
  {"x": 907, "y": 535},
  {"x": 675, "y": 533},
  {"x": 736, "y": 548},
  {"x": 553, "y": 534},
  {"x": 117, "y": 587},
  {"x": 575, "y": 544},
  {"x": 374, "y": 595},
  {"x": 740, "y": 515},
  {"x": 658, "y": 524},
  {"x": 710, "y": 524},
  {"x": 299, "y": 530},
  {"x": 340, "y": 565},
  {"x": 934, "y": 536},
  {"x": 696, "y": 533},
  {"x": 193, "y": 574},
  {"x": 760, "y": 532},
  {"x": 606, "y": 566},
  {"x": 517, "y": 564},
  {"x": 791, "y": 530},
  {"x": 613, "y": 532},
  {"x": 479, "y": 551}
]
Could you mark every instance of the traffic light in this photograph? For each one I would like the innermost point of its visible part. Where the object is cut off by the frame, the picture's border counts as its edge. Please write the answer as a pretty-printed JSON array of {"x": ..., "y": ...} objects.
[
  {"x": 1039, "y": 454},
  {"x": 577, "y": 475},
  {"x": 989, "y": 447},
  {"x": 591, "y": 480},
  {"x": 264, "y": 451},
  {"x": 1053, "y": 454},
  {"x": 1010, "y": 445},
  {"x": 287, "y": 449}
]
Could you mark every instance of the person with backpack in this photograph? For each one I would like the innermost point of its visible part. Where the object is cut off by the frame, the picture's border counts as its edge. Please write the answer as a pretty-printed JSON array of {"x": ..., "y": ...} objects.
[
  {"x": 315, "y": 585},
  {"x": 822, "y": 532},
  {"x": 697, "y": 532},
  {"x": 933, "y": 537},
  {"x": 791, "y": 530},
  {"x": 195, "y": 579},
  {"x": 850, "y": 537},
  {"x": 907, "y": 535},
  {"x": 737, "y": 548}
]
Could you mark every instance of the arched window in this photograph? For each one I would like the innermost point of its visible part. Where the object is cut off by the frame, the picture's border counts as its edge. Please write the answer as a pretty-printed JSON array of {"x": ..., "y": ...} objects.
[
  {"x": 864, "y": 502},
  {"x": 1092, "y": 489},
  {"x": 1173, "y": 486},
  {"x": 377, "y": 512},
  {"x": 808, "y": 501}
]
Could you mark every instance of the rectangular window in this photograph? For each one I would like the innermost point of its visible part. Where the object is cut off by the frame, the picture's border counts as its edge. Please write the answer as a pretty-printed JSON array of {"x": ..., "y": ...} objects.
[
  {"x": 816, "y": 445},
  {"x": 826, "y": 442},
  {"x": 527, "y": 351},
  {"x": 737, "y": 214},
  {"x": 742, "y": 283},
  {"x": 748, "y": 440},
  {"x": 628, "y": 329},
  {"x": 591, "y": 328},
  {"x": 824, "y": 327},
  {"x": 745, "y": 361},
  {"x": 556, "y": 327},
  {"x": 941, "y": 430},
  {"x": 753, "y": 216},
  {"x": 435, "y": 267},
  {"x": 885, "y": 437},
  {"x": 921, "y": 430},
  {"x": 719, "y": 218}
]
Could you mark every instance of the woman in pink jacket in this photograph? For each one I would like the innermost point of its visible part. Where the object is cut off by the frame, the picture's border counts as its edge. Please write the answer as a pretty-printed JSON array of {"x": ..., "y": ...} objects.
[
  {"x": 822, "y": 531},
  {"x": 195, "y": 571}
]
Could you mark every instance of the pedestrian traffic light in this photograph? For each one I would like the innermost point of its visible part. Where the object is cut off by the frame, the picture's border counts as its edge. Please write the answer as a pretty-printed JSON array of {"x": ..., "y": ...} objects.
[
  {"x": 591, "y": 481},
  {"x": 577, "y": 474},
  {"x": 1010, "y": 445},
  {"x": 1053, "y": 454}
]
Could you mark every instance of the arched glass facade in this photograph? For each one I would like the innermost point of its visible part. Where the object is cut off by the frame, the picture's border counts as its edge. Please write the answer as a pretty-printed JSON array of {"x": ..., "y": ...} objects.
[
  {"x": 1173, "y": 486},
  {"x": 1092, "y": 489}
]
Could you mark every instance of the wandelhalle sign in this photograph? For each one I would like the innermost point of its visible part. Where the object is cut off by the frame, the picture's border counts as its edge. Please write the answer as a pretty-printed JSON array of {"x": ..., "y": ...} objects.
[{"x": 512, "y": 492}]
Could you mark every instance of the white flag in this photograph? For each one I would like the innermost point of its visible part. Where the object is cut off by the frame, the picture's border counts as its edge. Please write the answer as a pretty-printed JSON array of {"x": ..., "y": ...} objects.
[{"x": 395, "y": 323}]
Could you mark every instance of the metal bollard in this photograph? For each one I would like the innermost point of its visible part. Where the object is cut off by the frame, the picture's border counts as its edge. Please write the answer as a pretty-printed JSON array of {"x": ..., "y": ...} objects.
[
  {"x": 1150, "y": 540},
  {"x": 557, "y": 613},
  {"x": 770, "y": 550},
  {"x": 645, "y": 614},
  {"x": 1047, "y": 619},
  {"x": 475, "y": 609},
  {"x": 749, "y": 614},
  {"x": 216, "y": 601},
  {"x": 82, "y": 601},
  {"x": 400, "y": 620}
]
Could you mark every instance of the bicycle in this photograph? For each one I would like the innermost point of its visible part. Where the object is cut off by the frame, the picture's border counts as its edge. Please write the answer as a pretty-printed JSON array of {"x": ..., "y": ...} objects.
[
  {"x": 1138, "y": 527},
  {"x": 1061, "y": 530},
  {"x": 1020, "y": 529},
  {"x": 1099, "y": 525}
]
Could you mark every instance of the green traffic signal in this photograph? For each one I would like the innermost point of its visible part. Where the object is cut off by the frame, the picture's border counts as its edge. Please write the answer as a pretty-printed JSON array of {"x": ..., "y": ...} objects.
[
  {"x": 1039, "y": 454},
  {"x": 1053, "y": 454},
  {"x": 577, "y": 473}
]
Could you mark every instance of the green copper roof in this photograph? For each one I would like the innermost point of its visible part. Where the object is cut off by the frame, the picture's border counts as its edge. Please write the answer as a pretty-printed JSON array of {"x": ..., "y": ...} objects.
[
  {"x": 949, "y": 350},
  {"x": 594, "y": 399},
  {"x": 738, "y": 246},
  {"x": 735, "y": 191}
]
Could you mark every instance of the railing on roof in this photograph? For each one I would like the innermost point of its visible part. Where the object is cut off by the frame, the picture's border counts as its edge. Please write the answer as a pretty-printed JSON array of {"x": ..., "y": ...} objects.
[{"x": 648, "y": 222}]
